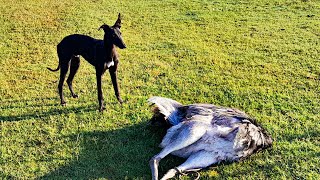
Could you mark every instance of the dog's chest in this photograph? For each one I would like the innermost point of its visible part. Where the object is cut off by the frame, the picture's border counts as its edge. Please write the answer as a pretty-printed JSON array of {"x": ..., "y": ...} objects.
[
  {"x": 103, "y": 57},
  {"x": 108, "y": 64}
]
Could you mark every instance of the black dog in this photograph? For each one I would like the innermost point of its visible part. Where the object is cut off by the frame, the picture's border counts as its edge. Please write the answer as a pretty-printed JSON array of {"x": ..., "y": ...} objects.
[{"x": 99, "y": 53}]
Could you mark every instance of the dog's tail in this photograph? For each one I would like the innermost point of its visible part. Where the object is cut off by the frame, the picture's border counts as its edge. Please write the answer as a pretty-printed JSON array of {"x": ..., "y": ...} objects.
[
  {"x": 53, "y": 70},
  {"x": 167, "y": 107}
]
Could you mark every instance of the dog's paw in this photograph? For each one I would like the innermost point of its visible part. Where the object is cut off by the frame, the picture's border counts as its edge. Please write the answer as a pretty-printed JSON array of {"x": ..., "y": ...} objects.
[
  {"x": 102, "y": 108},
  {"x": 75, "y": 96},
  {"x": 63, "y": 103},
  {"x": 120, "y": 100}
]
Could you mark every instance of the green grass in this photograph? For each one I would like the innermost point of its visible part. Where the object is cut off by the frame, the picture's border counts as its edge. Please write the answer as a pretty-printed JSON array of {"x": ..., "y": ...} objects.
[{"x": 259, "y": 56}]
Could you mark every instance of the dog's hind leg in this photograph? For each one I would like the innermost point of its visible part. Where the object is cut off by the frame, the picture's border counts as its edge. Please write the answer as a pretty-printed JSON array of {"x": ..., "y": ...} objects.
[
  {"x": 187, "y": 134},
  {"x": 63, "y": 72},
  {"x": 195, "y": 162},
  {"x": 74, "y": 66}
]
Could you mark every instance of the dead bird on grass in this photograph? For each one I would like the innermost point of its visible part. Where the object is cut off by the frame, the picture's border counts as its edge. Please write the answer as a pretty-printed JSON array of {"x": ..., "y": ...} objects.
[{"x": 204, "y": 134}]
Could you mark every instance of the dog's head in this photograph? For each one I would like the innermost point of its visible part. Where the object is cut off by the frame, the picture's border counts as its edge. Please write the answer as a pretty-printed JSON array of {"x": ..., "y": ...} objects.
[{"x": 112, "y": 34}]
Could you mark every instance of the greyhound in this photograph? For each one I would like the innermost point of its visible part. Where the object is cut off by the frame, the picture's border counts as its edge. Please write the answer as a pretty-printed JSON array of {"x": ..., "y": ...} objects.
[
  {"x": 101, "y": 54},
  {"x": 205, "y": 134}
]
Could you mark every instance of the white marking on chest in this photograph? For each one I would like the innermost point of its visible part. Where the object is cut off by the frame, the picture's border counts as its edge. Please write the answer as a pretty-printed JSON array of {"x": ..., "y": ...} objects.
[{"x": 110, "y": 63}]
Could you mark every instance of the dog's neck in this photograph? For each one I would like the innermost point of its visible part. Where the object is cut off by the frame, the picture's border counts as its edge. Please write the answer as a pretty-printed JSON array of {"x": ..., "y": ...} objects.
[{"x": 109, "y": 47}]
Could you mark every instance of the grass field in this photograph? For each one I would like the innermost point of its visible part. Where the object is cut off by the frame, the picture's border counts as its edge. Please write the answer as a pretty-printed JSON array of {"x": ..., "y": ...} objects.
[{"x": 259, "y": 56}]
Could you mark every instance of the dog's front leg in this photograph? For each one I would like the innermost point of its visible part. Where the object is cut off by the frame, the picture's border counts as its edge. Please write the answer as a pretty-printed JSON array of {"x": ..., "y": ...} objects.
[
  {"x": 99, "y": 74},
  {"x": 113, "y": 74}
]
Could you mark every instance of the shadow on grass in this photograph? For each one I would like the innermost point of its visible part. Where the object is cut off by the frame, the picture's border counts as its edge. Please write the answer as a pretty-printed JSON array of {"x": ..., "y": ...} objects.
[
  {"x": 125, "y": 154},
  {"x": 116, "y": 154},
  {"x": 20, "y": 110}
]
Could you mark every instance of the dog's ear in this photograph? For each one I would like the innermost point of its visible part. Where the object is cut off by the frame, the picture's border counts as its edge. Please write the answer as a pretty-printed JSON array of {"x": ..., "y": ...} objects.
[
  {"x": 104, "y": 27},
  {"x": 118, "y": 22}
]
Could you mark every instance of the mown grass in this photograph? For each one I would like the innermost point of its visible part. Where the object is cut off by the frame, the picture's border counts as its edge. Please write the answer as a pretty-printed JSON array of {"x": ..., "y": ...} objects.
[{"x": 258, "y": 56}]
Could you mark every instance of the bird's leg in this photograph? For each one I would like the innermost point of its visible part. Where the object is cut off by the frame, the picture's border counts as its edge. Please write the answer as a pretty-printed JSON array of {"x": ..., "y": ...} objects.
[
  {"x": 187, "y": 134},
  {"x": 195, "y": 162}
]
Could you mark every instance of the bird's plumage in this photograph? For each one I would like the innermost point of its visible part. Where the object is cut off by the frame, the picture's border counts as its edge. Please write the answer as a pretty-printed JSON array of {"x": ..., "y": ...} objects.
[{"x": 207, "y": 134}]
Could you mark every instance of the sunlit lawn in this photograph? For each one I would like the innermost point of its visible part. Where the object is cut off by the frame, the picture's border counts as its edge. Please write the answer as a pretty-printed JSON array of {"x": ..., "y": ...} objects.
[{"x": 259, "y": 56}]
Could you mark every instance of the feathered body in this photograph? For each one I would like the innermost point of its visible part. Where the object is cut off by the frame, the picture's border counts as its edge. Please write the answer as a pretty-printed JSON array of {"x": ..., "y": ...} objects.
[{"x": 205, "y": 134}]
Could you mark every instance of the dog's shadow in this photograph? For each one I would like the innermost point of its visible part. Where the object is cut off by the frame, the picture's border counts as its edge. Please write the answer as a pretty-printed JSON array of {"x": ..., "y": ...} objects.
[
  {"x": 116, "y": 154},
  {"x": 25, "y": 109},
  {"x": 122, "y": 153}
]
